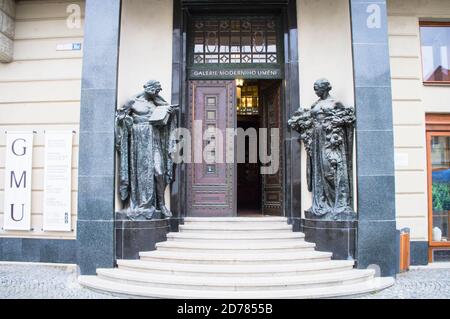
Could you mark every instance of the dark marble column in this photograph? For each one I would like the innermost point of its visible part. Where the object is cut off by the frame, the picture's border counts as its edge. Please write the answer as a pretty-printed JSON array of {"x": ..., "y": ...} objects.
[
  {"x": 178, "y": 187},
  {"x": 95, "y": 233},
  {"x": 377, "y": 234},
  {"x": 292, "y": 153}
]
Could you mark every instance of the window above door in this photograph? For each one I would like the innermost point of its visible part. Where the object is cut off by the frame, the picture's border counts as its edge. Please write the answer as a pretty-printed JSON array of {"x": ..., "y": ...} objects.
[
  {"x": 236, "y": 46},
  {"x": 236, "y": 40}
]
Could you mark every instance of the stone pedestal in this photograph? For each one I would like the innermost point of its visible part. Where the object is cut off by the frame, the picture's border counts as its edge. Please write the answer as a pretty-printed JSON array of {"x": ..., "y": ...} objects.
[
  {"x": 338, "y": 237},
  {"x": 135, "y": 236}
]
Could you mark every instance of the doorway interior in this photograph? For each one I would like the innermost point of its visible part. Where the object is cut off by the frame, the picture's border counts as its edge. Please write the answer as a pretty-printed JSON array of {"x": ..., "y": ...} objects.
[{"x": 258, "y": 106}]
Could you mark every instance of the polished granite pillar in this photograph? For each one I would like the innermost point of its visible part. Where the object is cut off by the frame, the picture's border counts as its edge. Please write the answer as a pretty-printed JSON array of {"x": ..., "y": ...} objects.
[
  {"x": 292, "y": 154},
  {"x": 96, "y": 193},
  {"x": 377, "y": 244}
]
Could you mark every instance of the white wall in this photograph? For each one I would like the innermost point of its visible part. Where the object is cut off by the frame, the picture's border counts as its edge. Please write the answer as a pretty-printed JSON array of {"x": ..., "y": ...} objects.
[
  {"x": 411, "y": 100},
  {"x": 40, "y": 90},
  {"x": 325, "y": 50},
  {"x": 145, "y": 46}
]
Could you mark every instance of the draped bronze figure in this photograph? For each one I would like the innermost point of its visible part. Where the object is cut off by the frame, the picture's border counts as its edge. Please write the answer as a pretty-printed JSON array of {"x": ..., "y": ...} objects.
[
  {"x": 326, "y": 130},
  {"x": 145, "y": 151}
]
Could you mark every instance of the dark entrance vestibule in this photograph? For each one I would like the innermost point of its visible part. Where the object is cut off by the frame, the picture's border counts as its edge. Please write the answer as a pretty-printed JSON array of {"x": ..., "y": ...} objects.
[
  {"x": 249, "y": 113},
  {"x": 258, "y": 107}
]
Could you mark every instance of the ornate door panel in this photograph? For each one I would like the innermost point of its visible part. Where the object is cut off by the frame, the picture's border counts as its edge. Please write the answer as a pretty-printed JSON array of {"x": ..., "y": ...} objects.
[
  {"x": 272, "y": 189},
  {"x": 211, "y": 189}
]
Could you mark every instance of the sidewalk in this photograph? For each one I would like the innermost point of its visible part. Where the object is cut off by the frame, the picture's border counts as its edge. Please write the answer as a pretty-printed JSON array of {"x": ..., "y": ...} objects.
[
  {"x": 43, "y": 281},
  {"x": 421, "y": 282}
]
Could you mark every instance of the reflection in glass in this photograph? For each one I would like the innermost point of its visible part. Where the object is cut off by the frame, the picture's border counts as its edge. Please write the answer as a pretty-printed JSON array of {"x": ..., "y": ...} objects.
[
  {"x": 440, "y": 161},
  {"x": 435, "y": 53},
  {"x": 198, "y": 42}
]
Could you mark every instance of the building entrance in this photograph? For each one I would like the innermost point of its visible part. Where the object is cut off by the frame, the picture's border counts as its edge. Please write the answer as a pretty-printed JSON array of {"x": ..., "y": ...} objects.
[
  {"x": 245, "y": 117},
  {"x": 235, "y": 71}
]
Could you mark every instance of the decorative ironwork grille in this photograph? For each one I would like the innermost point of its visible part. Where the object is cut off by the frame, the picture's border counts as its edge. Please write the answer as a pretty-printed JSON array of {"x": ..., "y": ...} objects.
[{"x": 236, "y": 40}]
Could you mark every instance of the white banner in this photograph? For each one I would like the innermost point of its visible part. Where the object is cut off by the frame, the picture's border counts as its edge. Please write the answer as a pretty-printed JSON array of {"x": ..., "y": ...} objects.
[
  {"x": 58, "y": 181},
  {"x": 18, "y": 165}
]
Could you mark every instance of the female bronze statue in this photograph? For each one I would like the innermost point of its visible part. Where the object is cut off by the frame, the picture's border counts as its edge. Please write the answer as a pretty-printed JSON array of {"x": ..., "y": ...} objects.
[
  {"x": 145, "y": 152},
  {"x": 327, "y": 133}
]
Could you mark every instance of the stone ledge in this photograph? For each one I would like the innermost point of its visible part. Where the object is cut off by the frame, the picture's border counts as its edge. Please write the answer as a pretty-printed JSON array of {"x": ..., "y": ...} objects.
[
  {"x": 9, "y": 7},
  {"x": 7, "y": 30}
]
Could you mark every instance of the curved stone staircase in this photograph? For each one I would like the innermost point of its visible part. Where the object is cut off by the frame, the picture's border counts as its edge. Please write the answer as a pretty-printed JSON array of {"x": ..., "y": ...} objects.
[{"x": 235, "y": 258}]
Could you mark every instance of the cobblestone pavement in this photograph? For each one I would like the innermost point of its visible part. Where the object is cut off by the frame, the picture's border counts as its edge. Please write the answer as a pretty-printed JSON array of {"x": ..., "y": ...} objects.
[
  {"x": 42, "y": 282},
  {"x": 24, "y": 281},
  {"x": 418, "y": 283}
]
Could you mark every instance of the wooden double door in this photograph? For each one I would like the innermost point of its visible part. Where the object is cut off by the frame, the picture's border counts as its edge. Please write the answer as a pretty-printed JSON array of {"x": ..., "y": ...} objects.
[{"x": 212, "y": 177}]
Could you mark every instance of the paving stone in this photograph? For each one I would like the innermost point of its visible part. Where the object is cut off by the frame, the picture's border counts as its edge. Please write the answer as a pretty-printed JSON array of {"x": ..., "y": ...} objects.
[
  {"x": 43, "y": 282},
  {"x": 423, "y": 283},
  {"x": 49, "y": 282}
]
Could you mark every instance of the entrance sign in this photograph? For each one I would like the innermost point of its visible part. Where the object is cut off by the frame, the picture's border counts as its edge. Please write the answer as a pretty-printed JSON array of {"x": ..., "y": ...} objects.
[
  {"x": 235, "y": 73},
  {"x": 58, "y": 181},
  {"x": 18, "y": 165}
]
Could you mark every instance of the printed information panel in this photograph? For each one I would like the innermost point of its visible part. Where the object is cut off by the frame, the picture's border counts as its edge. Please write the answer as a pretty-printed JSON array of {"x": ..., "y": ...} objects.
[{"x": 58, "y": 181}]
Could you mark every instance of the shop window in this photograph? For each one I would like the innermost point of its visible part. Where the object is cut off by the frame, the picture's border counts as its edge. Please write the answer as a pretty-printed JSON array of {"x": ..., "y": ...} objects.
[
  {"x": 438, "y": 149},
  {"x": 435, "y": 42},
  {"x": 440, "y": 187}
]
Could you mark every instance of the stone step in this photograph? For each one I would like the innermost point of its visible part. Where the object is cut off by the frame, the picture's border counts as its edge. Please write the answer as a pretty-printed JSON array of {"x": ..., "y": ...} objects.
[
  {"x": 235, "y": 283},
  {"x": 101, "y": 284},
  {"x": 224, "y": 236},
  {"x": 265, "y": 219},
  {"x": 237, "y": 258},
  {"x": 235, "y": 246},
  {"x": 236, "y": 221},
  {"x": 242, "y": 258},
  {"x": 246, "y": 225},
  {"x": 243, "y": 270},
  {"x": 234, "y": 228}
]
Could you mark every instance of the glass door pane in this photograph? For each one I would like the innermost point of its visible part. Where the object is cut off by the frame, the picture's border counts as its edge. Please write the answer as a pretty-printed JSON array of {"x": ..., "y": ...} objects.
[{"x": 440, "y": 179}]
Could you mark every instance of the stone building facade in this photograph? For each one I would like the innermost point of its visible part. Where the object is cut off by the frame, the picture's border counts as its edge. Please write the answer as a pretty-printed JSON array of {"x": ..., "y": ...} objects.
[{"x": 68, "y": 65}]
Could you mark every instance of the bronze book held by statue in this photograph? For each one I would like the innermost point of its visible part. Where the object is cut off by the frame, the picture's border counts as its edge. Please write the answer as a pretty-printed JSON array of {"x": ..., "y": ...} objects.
[{"x": 160, "y": 116}]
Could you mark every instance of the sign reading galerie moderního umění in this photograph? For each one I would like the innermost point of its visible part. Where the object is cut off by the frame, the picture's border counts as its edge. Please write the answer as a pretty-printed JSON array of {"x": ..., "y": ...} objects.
[
  {"x": 17, "y": 195},
  {"x": 234, "y": 73}
]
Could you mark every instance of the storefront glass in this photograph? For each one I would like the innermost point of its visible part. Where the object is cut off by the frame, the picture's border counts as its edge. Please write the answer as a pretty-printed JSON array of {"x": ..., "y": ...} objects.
[{"x": 440, "y": 183}]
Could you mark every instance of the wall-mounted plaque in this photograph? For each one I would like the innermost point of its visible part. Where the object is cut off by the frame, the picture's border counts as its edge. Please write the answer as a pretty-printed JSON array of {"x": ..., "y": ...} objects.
[
  {"x": 58, "y": 181},
  {"x": 18, "y": 164}
]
